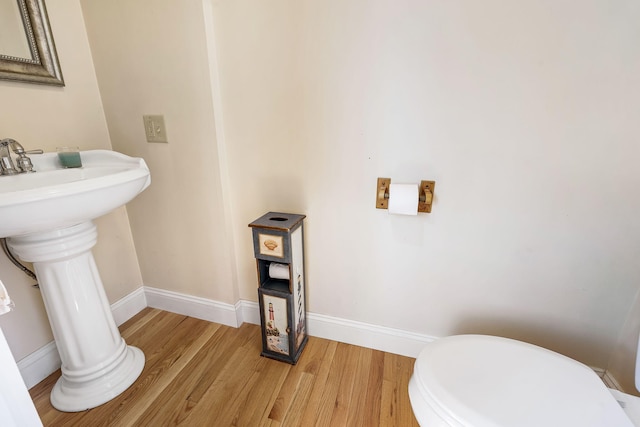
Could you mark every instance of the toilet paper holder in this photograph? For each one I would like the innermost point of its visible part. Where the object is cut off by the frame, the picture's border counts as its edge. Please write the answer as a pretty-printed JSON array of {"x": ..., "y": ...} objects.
[{"x": 425, "y": 194}]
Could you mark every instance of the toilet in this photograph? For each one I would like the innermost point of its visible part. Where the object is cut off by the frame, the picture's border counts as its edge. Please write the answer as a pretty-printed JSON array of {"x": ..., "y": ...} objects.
[{"x": 488, "y": 381}]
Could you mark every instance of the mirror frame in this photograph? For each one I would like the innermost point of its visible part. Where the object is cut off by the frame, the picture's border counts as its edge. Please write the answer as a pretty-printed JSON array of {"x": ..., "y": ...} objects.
[{"x": 43, "y": 67}]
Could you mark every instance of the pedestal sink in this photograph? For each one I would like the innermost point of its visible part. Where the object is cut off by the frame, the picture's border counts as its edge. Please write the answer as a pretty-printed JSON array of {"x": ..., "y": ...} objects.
[{"x": 47, "y": 218}]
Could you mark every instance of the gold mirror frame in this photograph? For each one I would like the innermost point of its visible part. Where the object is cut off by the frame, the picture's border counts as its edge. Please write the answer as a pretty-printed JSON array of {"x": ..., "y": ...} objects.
[{"x": 43, "y": 66}]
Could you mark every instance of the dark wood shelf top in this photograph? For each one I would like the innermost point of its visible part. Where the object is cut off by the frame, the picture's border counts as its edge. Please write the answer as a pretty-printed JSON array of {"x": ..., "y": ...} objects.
[{"x": 278, "y": 221}]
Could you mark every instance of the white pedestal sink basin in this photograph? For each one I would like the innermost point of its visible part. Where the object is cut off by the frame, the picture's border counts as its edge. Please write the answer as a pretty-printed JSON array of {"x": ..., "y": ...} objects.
[{"x": 47, "y": 217}]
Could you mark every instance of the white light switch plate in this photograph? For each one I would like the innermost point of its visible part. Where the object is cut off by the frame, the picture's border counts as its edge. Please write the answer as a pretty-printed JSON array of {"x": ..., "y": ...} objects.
[{"x": 155, "y": 129}]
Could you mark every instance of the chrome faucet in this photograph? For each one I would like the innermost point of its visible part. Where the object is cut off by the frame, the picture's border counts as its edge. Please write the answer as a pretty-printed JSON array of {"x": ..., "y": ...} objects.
[{"x": 23, "y": 162}]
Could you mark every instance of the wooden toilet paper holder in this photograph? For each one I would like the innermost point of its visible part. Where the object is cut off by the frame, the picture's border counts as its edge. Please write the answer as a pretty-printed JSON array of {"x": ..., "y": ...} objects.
[{"x": 425, "y": 194}]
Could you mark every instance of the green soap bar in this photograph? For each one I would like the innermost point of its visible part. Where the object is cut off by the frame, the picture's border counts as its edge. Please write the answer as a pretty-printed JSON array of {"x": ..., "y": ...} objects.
[{"x": 70, "y": 160}]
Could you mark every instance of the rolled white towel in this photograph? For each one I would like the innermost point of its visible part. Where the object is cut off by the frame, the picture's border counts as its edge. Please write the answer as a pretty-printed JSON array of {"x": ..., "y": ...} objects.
[{"x": 6, "y": 305}]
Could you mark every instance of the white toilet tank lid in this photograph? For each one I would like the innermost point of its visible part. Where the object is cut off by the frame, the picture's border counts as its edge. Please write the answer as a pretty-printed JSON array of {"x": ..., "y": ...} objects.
[{"x": 486, "y": 381}]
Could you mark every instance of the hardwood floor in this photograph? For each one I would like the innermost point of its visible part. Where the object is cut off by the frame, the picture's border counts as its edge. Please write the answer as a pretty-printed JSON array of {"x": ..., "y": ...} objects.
[{"x": 199, "y": 373}]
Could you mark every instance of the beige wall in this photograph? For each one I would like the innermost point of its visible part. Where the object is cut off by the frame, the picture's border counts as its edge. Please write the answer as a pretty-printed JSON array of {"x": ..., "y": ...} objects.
[
  {"x": 522, "y": 113},
  {"x": 151, "y": 58},
  {"x": 46, "y": 117},
  {"x": 320, "y": 99}
]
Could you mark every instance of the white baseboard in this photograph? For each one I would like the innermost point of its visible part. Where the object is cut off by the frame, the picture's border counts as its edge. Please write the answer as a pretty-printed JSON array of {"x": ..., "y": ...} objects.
[
  {"x": 127, "y": 307},
  {"x": 607, "y": 378},
  {"x": 43, "y": 362},
  {"x": 39, "y": 364},
  {"x": 599, "y": 371},
  {"x": 351, "y": 332},
  {"x": 367, "y": 335},
  {"x": 46, "y": 360},
  {"x": 200, "y": 308},
  {"x": 610, "y": 381},
  {"x": 348, "y": 331},
  {"x": 249, "y": 312}
]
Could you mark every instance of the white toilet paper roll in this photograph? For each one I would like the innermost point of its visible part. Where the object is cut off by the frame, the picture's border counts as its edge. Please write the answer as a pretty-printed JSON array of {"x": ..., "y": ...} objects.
[
  {"x": 403, "y": 199},
  {"x": 6, "y": 305},
  {"x": 279, "y": 271}
]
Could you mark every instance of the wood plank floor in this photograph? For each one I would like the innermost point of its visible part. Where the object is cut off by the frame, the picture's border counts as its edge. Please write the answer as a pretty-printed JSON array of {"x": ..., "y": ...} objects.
[{"x": 199, "y": 373}]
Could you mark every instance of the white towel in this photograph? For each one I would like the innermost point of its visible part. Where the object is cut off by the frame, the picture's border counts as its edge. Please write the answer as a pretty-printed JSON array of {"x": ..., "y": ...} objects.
[{"x": 6, "y": 305}]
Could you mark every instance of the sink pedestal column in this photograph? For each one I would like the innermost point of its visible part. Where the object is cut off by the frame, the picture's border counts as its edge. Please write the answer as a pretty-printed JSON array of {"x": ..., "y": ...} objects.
[{"x": 97, "y": 364}]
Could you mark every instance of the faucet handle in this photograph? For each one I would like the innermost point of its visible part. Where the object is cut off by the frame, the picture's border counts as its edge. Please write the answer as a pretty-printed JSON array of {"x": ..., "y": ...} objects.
[
  {"x": 19, "y": 149},
  {"x": 23, "y": 163},
  {"x": 6, "y": 163},
  {"x": 6, "y": 166}
]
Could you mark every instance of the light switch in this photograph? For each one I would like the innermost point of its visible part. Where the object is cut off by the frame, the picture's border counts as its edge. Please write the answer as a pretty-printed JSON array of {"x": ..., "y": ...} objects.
[{"x": 155, "y": 129}]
